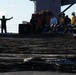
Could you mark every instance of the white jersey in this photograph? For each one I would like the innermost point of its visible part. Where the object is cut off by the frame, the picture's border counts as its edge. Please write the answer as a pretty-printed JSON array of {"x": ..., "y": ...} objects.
[{"x": 53, "y": 21}]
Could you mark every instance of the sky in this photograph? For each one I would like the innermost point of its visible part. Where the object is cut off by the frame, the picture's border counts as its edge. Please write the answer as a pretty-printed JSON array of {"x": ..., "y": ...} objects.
[
  {"x": 70, "y": 10},
  {"x": 21, "y": 10}
]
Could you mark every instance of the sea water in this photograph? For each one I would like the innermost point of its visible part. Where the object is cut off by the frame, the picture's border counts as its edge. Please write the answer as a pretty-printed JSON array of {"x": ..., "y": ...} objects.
[{"x": 12, "y": 28}]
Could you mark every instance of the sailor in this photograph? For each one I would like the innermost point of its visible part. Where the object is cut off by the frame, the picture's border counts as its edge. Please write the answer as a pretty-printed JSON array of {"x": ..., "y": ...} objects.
[
  {"x": 3, "y": 23},
  {"x": 53, "y": 23},
  {"x": 73, "y": 20},
  {"x": 73, "y": 23}
]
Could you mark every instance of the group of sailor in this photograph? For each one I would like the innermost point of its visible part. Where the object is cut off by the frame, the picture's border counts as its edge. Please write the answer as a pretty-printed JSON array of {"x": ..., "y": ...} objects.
[{"x": 45, "y": 21}]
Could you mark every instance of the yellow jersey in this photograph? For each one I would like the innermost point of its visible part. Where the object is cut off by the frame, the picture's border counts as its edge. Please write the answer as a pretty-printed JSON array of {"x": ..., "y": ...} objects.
[
  {"x": 61, "y": 21},
  {"x": 73, "y": 21}
]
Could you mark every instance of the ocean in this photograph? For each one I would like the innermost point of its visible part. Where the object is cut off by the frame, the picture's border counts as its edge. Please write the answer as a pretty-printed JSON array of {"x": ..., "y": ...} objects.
[{"x": 11, "y": 28}]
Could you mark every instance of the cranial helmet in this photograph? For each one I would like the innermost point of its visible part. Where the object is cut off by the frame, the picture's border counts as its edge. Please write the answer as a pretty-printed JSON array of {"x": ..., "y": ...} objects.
[{"x": 73, "y": 13}]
